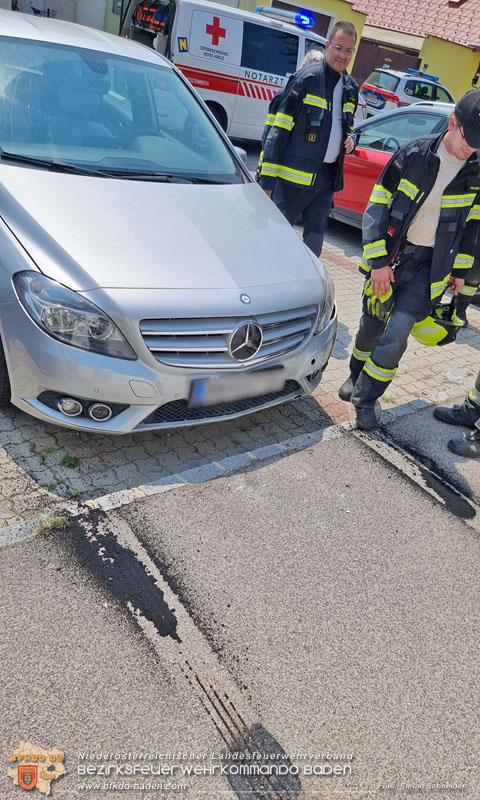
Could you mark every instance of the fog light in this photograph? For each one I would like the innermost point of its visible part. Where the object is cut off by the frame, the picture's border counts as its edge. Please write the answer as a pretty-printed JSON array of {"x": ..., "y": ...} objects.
[
  {"x": 69, "y": 406},
  {"x": 100, "y": 412}
]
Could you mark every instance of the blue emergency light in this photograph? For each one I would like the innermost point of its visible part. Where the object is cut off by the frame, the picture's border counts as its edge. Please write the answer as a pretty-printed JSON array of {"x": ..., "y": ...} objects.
[
  {"x": 423, "y": 74},
  {"x": 304, "y": 20}
]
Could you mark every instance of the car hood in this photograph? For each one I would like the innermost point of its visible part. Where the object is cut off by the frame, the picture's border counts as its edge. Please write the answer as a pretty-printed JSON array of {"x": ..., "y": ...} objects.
[{"x": 90, "y": 233}]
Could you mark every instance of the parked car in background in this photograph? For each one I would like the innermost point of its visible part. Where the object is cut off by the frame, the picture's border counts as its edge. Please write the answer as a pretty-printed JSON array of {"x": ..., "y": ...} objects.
[
  {"x": 387, "y": 89},
  {"x": 376, "y": 140},
  {"x": 146, "y": 280}
]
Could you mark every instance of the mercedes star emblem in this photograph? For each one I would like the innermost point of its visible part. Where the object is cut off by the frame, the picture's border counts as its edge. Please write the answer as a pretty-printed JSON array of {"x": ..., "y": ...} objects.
[{"x": 245, "y": 341}]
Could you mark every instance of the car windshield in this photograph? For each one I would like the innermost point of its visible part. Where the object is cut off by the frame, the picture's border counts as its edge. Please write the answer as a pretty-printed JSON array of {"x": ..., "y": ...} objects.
[{"x": 106, "y": 113}]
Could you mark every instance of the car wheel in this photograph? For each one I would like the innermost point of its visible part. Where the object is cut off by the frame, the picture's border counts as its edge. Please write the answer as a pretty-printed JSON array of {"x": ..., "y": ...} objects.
[
  {"x": 5, "y": 392},
  {"x": 219, "y": 115},
  {"x": 476, "y": 298}
]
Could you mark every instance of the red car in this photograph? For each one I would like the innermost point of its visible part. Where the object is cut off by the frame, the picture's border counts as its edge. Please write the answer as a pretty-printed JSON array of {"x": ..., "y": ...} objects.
[{"x": 377, "y": 139}]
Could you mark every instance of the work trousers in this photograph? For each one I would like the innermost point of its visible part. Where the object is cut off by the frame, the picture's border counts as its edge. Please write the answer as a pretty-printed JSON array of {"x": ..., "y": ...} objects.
[
  {"x": 466, "y": 293},
  {"x": 379, "y": 345},
  {"x": 313, "y": 203}
]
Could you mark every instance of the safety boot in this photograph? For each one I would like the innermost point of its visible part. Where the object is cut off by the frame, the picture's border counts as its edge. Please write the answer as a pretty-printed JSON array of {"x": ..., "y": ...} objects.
[
  {"x": 467, "y": 414},
  {"x": 366, "y": 418},
  {"x": 467, "y": 445},
  {"x": 346, "y": 389}
]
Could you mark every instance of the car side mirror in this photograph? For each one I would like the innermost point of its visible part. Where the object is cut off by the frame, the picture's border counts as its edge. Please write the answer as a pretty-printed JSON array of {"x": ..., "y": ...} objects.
[{"x": 242, "y": 153}]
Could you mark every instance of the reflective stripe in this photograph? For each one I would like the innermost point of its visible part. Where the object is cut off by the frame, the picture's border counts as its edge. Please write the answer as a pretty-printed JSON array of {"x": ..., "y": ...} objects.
[
  {"x": 363, "y": 264},
  {"x": 375, "y": 249},
  {"x": 463, "y": 261},
  {"x": 457, "y": 200},
  {"x": 474, "y": 396},
  {"x": 468, "y": 291},
  {"x": 381, "y": 195},
  {"x": 378, "y": 373},
  {"x": 288, "y": 174},
  {"x": 260, "y": 159},
  {"x": 315, "y": 100},
  {"x": 270, "y": 119},
  {"x": 474, "y": 213},
  {"x": 349, "y": 108},
  {"x": 360, "y": 355},
  {"x": 436, "y": 289},
  {"x": 408, "y": 188},
  {"x": 428, "y": 332},
  {"x": 283, "y": 121}
]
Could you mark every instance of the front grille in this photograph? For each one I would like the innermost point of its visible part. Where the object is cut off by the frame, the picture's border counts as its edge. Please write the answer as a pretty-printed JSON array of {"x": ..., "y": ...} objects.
[
  {"x": 178, "y": 411},
  {"x": 202, "y": 342}
]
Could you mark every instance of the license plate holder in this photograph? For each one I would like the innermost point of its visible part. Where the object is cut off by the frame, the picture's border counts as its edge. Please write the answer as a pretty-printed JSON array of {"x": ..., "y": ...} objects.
[{"x": 229, "y": 388}]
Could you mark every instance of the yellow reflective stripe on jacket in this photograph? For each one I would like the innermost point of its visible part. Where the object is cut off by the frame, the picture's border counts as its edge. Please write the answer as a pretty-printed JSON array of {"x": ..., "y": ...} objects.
[
  {"x": 463, "y": 261},
  {"x": 408, "y": 188},
  {"x": 360, "y": 355},
  {"x": 315, "y": 100},
  {"x": 260, "y": 159},
  {"x": 474, "y": 396},
  {"x": 283, "y": 121},
  {"x": 474, "y": 213},
  {"x": 363, "y": 263},
  {"x": 287, "y": 173},
  {"x": 436, "y": 289},
  {"x": 349, "y": 108},
  {"x": 381, "y": 195},
  {"x": 468, "y": 291},
  {"x": 270, "y": 119},
  {"x": 457, "y": 200},
  {"x": 379, "y": 373},
  {"x": 375, "y": 249}
]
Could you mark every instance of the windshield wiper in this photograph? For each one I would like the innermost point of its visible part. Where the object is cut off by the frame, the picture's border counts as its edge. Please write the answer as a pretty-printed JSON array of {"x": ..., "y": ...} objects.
[
  {"x": 165, "y": 177},
  {"x": 52, "y": 164}
]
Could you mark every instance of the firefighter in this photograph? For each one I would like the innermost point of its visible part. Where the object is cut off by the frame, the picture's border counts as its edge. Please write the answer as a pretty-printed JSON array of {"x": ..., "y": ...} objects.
[
  {"x": 468, "y": 415},
  {"x": 309, "y": 135},
  {"x": 420, "y": 233}
]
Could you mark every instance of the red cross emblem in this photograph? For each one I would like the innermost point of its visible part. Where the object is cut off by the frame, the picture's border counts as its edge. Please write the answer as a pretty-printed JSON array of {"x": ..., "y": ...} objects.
[{"x": 215, "y": 31}]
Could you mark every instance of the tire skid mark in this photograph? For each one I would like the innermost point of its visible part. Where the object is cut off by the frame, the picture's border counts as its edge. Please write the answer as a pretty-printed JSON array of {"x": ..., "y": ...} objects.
[{"x": 109, "y": 551}]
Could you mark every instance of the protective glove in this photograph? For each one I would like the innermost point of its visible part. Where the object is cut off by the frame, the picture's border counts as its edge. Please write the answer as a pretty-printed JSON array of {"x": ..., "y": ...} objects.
[{"x": 378, "y": 307}]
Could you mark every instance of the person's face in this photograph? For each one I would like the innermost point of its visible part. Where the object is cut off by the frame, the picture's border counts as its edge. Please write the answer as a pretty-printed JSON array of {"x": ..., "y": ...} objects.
[
  {"x": 340, "y": 51},
  {"x": 455, "y": 142}
]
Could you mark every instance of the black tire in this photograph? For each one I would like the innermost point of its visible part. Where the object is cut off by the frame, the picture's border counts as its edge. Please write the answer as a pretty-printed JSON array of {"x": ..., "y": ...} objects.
[
  {"x": 219, "y": 115},
  {"x": 5, "y": 392}
]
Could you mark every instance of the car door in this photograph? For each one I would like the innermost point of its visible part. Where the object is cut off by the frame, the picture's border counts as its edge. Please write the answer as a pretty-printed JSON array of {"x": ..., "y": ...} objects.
[{"x": 376, "y": 141}]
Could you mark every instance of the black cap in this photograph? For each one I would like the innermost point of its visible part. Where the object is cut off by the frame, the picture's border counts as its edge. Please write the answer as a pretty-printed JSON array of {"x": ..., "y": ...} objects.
[{"x": 467, "y": 113}]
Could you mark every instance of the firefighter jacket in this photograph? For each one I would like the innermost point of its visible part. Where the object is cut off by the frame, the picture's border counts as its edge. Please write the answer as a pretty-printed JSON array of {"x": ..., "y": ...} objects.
[
  {"x": 400, "y": 192},
  {"x": 294, "y": 149}
]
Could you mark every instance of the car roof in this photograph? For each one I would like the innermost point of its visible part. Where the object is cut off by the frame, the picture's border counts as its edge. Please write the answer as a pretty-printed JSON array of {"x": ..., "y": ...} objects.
[
  {"x": 441, "y": 109},
  {"x": 402, "y": 74},
  {"x": 44, "y": 29}
]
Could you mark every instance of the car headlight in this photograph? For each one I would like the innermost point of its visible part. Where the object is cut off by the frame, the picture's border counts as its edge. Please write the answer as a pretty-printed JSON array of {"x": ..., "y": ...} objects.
[
  {"x": 68, "y": 317},
  {"x": 328, "y": 302}
]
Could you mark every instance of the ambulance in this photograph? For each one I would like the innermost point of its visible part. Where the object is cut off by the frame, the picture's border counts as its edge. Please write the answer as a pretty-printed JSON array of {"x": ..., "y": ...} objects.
[{"x": 236, "y": 60}]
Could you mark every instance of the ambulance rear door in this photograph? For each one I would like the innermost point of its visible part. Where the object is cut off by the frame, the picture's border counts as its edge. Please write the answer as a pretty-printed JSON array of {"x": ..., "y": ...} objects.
[
  {"x": 206, "y": 46},
  {"x": 269, "y": 55}
]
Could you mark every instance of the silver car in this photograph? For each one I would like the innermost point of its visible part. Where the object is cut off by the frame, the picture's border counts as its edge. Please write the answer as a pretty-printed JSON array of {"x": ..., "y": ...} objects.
[{"x": 146, "y": 281}]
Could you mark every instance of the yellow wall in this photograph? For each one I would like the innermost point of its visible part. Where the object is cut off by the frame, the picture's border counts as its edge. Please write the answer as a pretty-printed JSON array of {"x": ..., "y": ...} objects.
[
  {"x": 338, "y": 8},
  {"x": 454, "y": 64}
]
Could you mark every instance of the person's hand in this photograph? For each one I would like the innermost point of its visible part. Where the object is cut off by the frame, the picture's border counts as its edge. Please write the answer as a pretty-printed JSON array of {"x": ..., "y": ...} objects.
[
  {"x": 349, "y": 145},
  {"x": 455, "y": 284},
  {"x": 381, "y": 279},
  {"x": 268, "y": 192}
]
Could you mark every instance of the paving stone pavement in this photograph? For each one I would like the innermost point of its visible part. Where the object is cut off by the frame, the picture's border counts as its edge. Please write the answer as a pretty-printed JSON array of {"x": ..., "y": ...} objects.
[{"x": 41, "y": 465}]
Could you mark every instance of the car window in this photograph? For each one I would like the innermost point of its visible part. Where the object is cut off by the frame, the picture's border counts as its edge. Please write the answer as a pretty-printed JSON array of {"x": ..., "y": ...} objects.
[
  {"x": 420, "y": 90},
  {"x": 312, "y": 44},
  {"x": 103, "y": 111},
  {"x": 442, "y": 95},
  {"x": 268, "y": 50},
  {"x": 389, "y": 134},
  {"x": 383, "y": 80}
]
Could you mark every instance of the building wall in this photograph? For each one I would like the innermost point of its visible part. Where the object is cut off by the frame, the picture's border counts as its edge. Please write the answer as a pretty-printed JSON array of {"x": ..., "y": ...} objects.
[{"x": 454, "y": 64}]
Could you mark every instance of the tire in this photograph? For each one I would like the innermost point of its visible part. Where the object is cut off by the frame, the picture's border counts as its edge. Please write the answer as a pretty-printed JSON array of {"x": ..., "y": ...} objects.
[
  {"x": 5, "y": 392},
  {"x": 219, "y": 115}
]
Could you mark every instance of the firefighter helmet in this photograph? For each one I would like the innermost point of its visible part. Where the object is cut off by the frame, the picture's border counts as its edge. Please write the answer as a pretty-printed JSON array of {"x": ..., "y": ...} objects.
[{"x": 440, "y": 327}]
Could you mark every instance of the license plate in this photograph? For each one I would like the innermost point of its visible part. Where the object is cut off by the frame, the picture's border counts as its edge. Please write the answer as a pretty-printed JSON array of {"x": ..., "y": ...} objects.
[{"x": 228, "y": 388}]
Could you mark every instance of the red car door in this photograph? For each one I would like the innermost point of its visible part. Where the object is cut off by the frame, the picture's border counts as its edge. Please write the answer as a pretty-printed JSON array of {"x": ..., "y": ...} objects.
[{"x": 361, "y": 171}]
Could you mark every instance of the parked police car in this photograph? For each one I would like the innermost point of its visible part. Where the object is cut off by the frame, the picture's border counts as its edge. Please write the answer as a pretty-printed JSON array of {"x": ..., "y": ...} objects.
[{"x": 386, "y": 89}]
